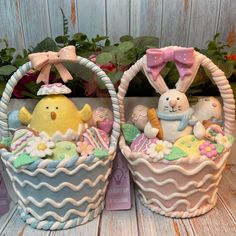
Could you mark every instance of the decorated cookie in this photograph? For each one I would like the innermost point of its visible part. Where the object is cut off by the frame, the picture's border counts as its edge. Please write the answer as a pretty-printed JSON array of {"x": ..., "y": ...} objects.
[
  {"x": 207, "y": 108},
  {"x": 139, "y": 116},
  {"x": 40, "y": 146},
  {"x": 96, "y": 138},
  {"x": 20, "y": 140},
  {"x": 189, "y": 144},
  {"x": 130, "y": 132},
  {"x": 57, "y": 113},
  {"x": 64, "y": 150},
  {"x": 141, "y": 143}
]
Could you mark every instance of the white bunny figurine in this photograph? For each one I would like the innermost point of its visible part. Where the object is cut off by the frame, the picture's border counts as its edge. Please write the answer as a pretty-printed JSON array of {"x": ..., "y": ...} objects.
[{"x": 176, "y": 117}]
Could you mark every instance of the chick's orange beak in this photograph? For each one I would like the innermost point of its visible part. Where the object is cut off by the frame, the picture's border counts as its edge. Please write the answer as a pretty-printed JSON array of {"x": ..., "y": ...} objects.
[{"x": 53, "y": 115}]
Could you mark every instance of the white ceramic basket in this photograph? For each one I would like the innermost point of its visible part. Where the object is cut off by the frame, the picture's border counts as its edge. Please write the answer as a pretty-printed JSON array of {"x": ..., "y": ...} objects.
[
  {"x": 186, "y": 187},
  {"x": 60, "y": 194}
]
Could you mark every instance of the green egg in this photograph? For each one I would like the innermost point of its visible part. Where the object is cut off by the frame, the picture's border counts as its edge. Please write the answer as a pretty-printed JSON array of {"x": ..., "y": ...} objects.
[{"x": 64, "y": 150}]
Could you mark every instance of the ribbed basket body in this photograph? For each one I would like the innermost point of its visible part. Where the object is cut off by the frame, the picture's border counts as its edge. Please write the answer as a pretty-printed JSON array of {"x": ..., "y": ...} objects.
[
  {"x": 63, "y": 197},
  {"x": 179, "y": 189}
]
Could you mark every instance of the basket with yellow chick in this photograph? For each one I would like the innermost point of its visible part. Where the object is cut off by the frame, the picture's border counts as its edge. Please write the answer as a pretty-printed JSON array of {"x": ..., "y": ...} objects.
[{"x": 58, "y": 157}]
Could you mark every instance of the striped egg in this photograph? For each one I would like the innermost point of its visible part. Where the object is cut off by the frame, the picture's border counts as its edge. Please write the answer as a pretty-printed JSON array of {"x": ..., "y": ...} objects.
[
  {"x": 20, "y": 139},
  {"x": 141, "y": 143},
  {"x": 97, "y": 138}
]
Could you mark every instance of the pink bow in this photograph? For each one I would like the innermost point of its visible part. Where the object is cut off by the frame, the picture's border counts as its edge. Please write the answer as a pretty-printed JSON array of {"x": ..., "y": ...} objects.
[
  {"x": 157, "y": 58},
  {"x": 44, "y": 60}
]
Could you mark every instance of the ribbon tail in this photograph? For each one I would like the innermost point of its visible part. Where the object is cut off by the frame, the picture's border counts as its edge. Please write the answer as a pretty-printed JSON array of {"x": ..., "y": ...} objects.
[
  {"x": 44, "y": 74},
  {"x": 64, "y": 73},
  {"x": 184, "y": 70},
  {"x": 155, "y": 71}
]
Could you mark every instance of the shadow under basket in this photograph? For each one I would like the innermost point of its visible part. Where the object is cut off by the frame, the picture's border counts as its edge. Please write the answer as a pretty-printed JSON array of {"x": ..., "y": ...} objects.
[
  {"x": 186, "y": 187},
  {"x": 53, "y": 194}
]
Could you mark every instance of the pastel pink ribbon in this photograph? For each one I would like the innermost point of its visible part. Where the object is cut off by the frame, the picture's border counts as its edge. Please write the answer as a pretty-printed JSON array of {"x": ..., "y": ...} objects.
[
  {"x": 157, "y": 58},
  {"x": 44, "y": 60}
]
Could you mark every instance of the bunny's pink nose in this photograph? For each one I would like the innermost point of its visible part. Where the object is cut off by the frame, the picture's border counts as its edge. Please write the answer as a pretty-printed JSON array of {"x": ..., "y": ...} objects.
[
  {"x": 172, "y": 102},
  {"x": 214, "y": 104}
]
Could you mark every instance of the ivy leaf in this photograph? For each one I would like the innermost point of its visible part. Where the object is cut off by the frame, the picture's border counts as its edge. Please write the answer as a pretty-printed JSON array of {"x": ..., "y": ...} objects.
[
  {"x": 115, "y": 77},
  {"x": 219, "y": 148},
  {"x": 125, "y": 38},
  {"x": 46, "y": 45},
  {"x": 125, "y": 46},
  {"x": 63, "y": 39},
  {"x": 176, "y": 153},
  {"x": 104, "y": 58},
  {"x": 7, "y": 70}
]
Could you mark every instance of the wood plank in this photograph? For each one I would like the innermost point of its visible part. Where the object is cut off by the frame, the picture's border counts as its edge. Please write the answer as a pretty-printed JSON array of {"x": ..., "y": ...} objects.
[
  {"x": 92, "y": 17},
  {"x": 117, "y": 19},
  {"x": 153, "y": 224},
  {"x": 119, "y": 222},
  {"x": 35, "y": 21},
  {"x": 91, "y": 228},
  {"x": 145, "y": 18},
  {"x": 215, "y": 222},
  {"x": 203, "y": 22},
  {"x": 56, "y": 21},
  {"x": 16, "y": 226},
  {"x": 4, "y": 219},
  {"x": 227, "y": 189},
  {"x": 10, "y": 27},
  {"x": 176, "y": 16},
  {"x": 226, "y": 25}
]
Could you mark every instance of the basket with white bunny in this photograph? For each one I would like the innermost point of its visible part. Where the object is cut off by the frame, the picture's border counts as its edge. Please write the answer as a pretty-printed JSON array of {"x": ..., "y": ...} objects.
[
  {"x": 58, "y": 157},
  {"x": 176, "y": 153}
]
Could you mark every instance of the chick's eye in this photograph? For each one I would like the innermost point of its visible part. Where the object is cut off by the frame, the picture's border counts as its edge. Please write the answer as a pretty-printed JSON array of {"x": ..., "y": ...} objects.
[
  {"x": 167, "y": 99},
  {"x": 178, "y": 98},
  {"x": 57, "y": 108},
  {"x": 47, "y": 107}
]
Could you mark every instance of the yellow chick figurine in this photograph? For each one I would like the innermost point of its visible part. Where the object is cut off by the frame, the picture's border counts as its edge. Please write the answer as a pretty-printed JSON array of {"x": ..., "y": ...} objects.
[{"x": 54, "y": 113}]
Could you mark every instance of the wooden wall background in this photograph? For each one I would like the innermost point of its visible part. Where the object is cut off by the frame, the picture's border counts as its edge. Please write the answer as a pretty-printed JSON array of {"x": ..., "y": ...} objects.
[{"x": 184, "y": 22}]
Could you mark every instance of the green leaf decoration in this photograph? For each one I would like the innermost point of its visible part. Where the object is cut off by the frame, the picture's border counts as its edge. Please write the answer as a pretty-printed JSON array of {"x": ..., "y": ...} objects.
[
  {"x": 219, "y": 148},
  {"x": 104, "y": 58},
  {"x": 61, "y": 39},
  {"x": 231, "y": 138},
  {"x": 7, "y": 70},
  {"x": 100, "y": 153},
  {"x": 176, "y": 153},
  {"x": 130, "y": 132},
  {"x": 6, "y": 141},
  {"x": 24, "y": 159}
]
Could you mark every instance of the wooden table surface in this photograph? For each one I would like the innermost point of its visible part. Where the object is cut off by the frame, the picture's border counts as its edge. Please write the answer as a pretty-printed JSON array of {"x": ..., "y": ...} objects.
[{"x": 141, "y": 221}]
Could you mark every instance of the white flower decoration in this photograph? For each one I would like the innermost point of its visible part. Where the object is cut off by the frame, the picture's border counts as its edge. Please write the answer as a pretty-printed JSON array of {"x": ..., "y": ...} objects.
[
  {"x": 157, "y": 150},
  {"x": 223, "y": 140},
  {"x": 40, "y": 146}
]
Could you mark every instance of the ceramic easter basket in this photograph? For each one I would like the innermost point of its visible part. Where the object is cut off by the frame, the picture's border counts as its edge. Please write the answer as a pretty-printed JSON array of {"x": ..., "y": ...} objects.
[
  {"x": 186, "y": 187},
  {"x": 57, "y": 194}
]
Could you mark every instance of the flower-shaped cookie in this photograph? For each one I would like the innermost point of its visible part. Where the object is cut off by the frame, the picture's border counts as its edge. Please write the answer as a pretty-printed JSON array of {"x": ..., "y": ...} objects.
[
  {"x": 40, "y": 146},
  {"x": 223, "y": 140},
  {"x": 84, "y": 148},
  {"x": 157, "y": 150},
  {"x": 208, "y": 149}
]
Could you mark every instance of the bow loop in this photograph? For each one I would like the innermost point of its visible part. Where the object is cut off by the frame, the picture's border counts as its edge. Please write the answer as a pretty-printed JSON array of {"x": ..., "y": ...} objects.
[
  {"x": 157, "y": 58},
  {"x": 43, "y": 61}
]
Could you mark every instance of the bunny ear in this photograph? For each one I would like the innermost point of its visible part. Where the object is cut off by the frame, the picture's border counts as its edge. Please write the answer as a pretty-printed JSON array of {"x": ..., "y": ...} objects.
[
  {"x": 159, "y": 84},
  {"x": 183, "y": 84}
]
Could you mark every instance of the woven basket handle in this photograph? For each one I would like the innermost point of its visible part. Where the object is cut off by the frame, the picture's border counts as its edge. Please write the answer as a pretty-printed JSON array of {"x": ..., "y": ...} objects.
[
  {"x": 83, "y": 61},
  {"x": 217, "y": 75}
]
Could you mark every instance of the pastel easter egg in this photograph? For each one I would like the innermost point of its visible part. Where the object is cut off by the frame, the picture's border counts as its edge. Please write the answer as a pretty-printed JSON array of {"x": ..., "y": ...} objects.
[
  {"x": 63, "y": 150},
  {"x": 189, "y": 144},
  {"x": 20, "y": 139},
  {"x": 141, "y": 143},
  {"x": 96, "y": 138}
]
